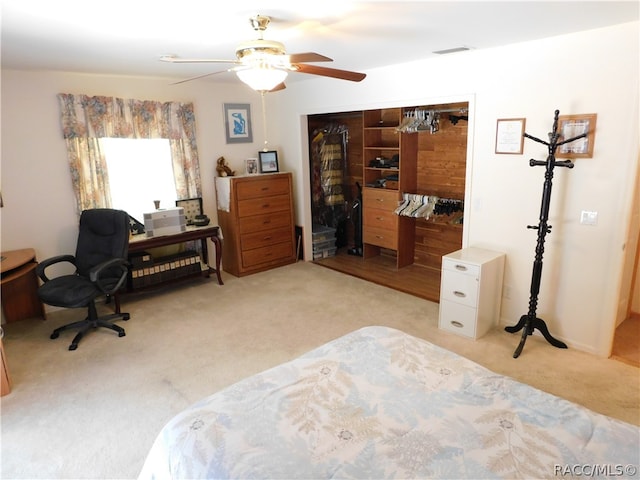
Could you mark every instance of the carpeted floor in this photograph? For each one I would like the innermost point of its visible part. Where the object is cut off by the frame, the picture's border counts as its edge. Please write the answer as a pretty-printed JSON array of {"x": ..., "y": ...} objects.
[{"x": 94, "y": 412}]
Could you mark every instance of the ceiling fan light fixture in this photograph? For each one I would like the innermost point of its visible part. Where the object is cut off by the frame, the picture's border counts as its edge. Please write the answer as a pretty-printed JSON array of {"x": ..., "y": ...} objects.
[{"x": 261, "y": 78}]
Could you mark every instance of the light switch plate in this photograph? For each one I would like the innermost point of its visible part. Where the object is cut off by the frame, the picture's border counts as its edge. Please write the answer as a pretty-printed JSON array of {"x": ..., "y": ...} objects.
[{"x": 588, "y": 218}]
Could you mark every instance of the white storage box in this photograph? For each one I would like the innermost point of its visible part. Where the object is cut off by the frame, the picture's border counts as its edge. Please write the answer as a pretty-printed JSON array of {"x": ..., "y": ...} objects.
[{"x": 165, "y": 222}]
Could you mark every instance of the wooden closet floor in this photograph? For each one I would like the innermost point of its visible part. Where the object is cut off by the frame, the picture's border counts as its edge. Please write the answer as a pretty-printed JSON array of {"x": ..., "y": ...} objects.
[{"x": 413, "y": 279}]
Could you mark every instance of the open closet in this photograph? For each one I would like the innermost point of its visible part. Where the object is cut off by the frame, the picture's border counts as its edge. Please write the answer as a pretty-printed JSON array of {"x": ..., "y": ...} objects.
[{"x": 399, "y": 176}]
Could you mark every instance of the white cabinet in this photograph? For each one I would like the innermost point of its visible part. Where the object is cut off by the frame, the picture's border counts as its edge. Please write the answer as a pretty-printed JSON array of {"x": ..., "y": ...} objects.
[{"x": 471, "y": 291}]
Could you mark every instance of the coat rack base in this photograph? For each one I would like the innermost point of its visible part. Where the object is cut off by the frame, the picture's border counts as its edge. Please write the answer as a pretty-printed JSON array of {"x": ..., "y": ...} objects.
[{"x": 529, "y": 324}]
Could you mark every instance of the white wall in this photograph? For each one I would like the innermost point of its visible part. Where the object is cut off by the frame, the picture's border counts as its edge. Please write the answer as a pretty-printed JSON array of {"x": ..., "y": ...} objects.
[
  {"x": 589, "y": 72},
  {"x": 39, "y": 206}
]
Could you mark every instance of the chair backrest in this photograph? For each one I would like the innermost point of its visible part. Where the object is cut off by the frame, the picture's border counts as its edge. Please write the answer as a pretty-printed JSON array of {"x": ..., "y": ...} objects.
[{"x": 104, "y": 234}]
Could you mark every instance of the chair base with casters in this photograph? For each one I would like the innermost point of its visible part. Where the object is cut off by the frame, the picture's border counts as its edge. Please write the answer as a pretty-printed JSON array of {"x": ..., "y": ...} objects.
[{"x": 91, "y": 322}]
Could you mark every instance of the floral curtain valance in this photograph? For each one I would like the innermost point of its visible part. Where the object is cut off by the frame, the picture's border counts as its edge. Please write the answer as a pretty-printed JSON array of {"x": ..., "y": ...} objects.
[
  {"x": 86, "y": 119},
  {"x": 111, "y": 117}
]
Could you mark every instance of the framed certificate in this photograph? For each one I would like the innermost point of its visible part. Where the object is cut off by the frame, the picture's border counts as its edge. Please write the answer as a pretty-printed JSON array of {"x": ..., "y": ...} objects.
[{"x": 510, "y": 135}]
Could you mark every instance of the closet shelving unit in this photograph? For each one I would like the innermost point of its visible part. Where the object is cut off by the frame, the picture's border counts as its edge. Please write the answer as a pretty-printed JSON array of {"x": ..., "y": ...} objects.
[{"x": 383, "y": 230}]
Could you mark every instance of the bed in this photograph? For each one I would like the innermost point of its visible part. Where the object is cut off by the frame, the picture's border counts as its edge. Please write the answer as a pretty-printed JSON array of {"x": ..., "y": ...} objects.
[{"x": 378, "y": 403}]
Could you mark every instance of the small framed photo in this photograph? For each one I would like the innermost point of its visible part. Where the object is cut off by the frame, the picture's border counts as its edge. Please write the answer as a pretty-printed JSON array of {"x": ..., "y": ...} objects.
[
  {"x": 268, "y": 161},
  {"x": 192, "y": 207},
  {"x": 571, "y": 126},
  {"x": 510, "y": 135},
  {"x": 237, "y": 123},
  {"x": 251, "y": 165}
]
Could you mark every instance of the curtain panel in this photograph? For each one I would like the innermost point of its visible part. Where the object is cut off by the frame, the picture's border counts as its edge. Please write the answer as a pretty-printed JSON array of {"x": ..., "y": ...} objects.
[{"x": 86, "y": 119}]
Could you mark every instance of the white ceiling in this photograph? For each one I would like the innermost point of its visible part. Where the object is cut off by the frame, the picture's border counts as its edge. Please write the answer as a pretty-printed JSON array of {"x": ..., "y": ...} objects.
[{"x": 126, "y": 37}]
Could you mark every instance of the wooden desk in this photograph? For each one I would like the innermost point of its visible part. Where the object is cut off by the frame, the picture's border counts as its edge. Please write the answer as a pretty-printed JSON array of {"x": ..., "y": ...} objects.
[
  {"x": 20, "y": 285},
  {"x": 140, "y": 243}
]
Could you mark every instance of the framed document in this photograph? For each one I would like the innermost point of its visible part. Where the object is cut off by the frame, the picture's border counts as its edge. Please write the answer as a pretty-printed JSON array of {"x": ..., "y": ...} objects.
[
  {"x": 570, "y": 126},
  {"x": 510, "y": 135}
]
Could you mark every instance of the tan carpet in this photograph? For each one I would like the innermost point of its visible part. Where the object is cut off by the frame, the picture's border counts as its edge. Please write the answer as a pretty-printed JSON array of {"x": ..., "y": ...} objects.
[{"x": 94, "y": 413}]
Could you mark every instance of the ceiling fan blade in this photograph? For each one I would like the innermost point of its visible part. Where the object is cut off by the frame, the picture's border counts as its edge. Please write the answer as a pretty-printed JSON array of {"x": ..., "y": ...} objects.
[
  {"x": 308, "y": 57},
  {"x": 199, "y": 76},
  {"x": 277, "y": 88},
  {"x": 329, "y": 72},
  {"x": 174, "y": 59}
]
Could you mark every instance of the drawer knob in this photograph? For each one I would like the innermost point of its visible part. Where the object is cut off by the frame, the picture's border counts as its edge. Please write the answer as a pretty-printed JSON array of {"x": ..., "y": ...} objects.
[
  {"x": 266, "y": 205},
  {"x": 456, "y": 324},
  {"x": 460, "y": 294},
  {"x": 462, "y": 268}
]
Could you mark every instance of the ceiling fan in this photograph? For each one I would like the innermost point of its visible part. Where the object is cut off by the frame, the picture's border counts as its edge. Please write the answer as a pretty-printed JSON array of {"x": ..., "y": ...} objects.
[{"x": 264, "y": 64}]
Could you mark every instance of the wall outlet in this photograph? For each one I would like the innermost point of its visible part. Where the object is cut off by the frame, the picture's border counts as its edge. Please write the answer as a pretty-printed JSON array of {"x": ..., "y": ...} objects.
[{"x": 506, "y": 292}]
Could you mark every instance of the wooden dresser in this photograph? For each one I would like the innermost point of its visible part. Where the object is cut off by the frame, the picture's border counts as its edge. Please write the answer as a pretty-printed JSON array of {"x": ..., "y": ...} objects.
[{"x": 255, "y": 213}]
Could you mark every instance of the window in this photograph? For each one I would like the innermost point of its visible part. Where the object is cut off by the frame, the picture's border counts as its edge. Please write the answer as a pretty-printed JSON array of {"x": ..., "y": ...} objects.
[{"x": 140, "y": 171}]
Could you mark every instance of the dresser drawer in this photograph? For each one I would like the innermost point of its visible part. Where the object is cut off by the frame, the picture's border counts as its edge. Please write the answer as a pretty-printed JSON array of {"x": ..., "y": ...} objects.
[
  {"x": 258, "y": 223},
  {"x": 262, "y": 187},
  {"x": 454, "y": 265},
  {"x": 381, "y": 237},
  {"x": 459, "y": 288},
  {"x": 457, "y": 318},
  {"x": 258, "y": 206},
  {"x": 265, "y": 238},
  {"x": 377, "y": 218},
  {"x": 379, "y": 198},
  {"x": 265, "y": 255}
]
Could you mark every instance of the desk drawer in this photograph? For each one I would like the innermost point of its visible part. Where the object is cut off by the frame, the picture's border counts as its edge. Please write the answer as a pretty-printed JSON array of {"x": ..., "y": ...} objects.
[
  {"x": 270, "y": 185},
  {"x": 381, "y": 237},
  {"x": 265, "y": 255},
  {"x": 258, "y": 206},
  {"x": 265, "y": 238},
  {"x": 268, "y": 221}
]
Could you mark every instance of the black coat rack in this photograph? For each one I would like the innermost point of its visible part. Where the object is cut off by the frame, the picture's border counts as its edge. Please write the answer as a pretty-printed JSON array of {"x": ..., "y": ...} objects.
[{"x": 529, "y": 322}]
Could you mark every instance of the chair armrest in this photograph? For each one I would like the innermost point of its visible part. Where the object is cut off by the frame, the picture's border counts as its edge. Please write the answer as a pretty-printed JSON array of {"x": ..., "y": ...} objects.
[
  {"x": 96, "y": 273},
  {"x": 44, "y": 264}
]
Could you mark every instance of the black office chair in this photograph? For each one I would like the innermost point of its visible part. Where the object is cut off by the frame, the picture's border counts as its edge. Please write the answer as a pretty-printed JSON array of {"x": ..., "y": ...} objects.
[{"x": 101, "y": 270}]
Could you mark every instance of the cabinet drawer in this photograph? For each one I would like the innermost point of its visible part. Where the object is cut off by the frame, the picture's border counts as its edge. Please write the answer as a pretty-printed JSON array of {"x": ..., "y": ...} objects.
[
  {"x": 457, "y": 318},
  {"x": 257, "y": 206},
  {"x": 379, "y": 198},
  {"x": 258, "y": 223},
  {"x": 459, "y": 288},
  {"x": 262, "y": 187},
  {"x": 381, "y": 237},
  {"x": 377, "y": 218},
  {"x": 271, "y": 254},
  {"x": 265, "y": 238},
  {"x": 453, "y": 265}
]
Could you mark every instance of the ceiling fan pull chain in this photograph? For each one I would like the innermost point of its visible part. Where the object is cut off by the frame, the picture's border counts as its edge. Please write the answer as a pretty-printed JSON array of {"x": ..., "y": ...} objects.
[{"x": 264, "y": 121}]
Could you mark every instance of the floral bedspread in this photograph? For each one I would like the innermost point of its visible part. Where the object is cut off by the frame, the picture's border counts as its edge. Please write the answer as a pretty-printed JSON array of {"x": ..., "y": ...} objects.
[{"x": 378, "y": 403}]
